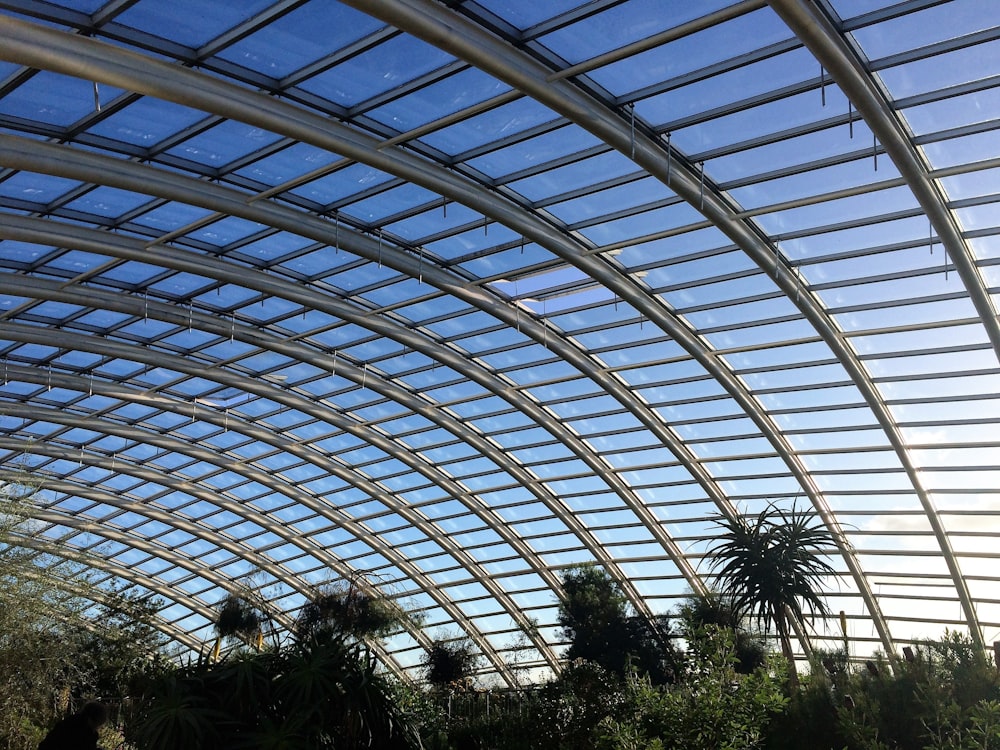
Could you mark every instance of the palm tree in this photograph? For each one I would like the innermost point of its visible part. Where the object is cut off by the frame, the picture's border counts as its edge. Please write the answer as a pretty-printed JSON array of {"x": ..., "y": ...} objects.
[{"x": 772, "y": 567}]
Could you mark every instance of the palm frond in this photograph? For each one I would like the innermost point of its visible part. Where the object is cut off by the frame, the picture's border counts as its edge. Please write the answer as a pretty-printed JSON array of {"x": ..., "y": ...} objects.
[{"x": 772, "y": 563}]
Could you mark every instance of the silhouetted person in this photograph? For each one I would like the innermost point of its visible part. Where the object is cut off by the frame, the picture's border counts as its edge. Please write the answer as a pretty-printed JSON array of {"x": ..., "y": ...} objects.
[{"x": 79, "y": 731}]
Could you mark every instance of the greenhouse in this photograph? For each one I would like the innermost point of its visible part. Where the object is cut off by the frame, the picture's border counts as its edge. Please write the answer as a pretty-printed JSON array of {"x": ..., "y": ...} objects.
[{"x": 449, "y": 306}]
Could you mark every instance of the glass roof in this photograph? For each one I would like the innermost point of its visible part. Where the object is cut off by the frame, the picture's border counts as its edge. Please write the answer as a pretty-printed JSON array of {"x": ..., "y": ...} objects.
[{"x": 450, "y": 297}]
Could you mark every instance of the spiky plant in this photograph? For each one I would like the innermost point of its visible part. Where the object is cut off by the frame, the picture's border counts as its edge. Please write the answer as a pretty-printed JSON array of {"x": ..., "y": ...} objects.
[{"x": 772, "y": 567}]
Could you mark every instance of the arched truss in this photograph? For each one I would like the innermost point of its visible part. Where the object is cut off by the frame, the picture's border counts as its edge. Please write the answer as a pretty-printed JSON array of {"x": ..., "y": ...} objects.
[
  {"x": 699, "y": 296},
  {"x": 97, "y": 595}
]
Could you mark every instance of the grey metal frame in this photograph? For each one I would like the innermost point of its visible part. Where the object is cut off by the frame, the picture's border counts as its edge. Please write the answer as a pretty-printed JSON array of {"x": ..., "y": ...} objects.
[{"x": 473, "y": 38}]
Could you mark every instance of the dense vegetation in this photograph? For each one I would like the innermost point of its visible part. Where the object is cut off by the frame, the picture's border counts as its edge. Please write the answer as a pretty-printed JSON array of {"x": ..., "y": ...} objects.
[
  {"x": 702, "y": 678},
  {"x": 63, "y": 639}
]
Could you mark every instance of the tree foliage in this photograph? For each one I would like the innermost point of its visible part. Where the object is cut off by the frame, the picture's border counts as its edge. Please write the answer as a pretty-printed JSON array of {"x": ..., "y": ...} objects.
[
  {"x": 700, "y": 614},
  {"x": 63, "y": 638},
  {"x": 238, "y": 617},
  {"x": 451, "y": 662},
  {"x": 308, "y": 695},
  {"x": 945, "y": 697},
  {"x": 712, "y": 706},
  {"x": 598, "y": 623},
  {"x": 348, "y": 610}
]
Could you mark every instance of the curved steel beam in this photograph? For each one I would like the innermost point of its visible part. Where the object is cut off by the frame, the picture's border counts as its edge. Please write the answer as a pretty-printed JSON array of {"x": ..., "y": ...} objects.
[
  {"x": 99, "y": 596},
  {"x": 456, "y": 35},
  {"x": 44, "y": 289},
  {"x": 53, "y": 50},
  {"x": 97, "y": 528},
  {"x": 165, "y": 515},
  {"x": 72, "y": 294},
  {"x": 293, "y": 447},
  {"x": 141, "y": 506},
  {"x": 819, "y": 34},
  {"x": 39, "y": 288},
  {"x": 208, "y": 455},
  {"x": 76, "y": 164},
  {"x": 185, "y": 562},
  {"x": 75, "y": 56}
]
